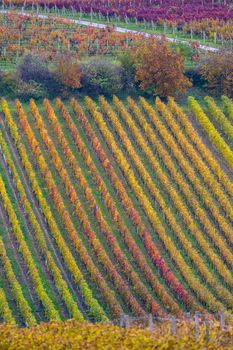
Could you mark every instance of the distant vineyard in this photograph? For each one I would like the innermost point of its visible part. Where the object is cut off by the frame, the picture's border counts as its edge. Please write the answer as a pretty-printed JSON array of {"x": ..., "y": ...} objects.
[
  {"x": 116, "y": 207},
  {"x": 150, "y": 10},
  {"x": 20, "y": 35}
]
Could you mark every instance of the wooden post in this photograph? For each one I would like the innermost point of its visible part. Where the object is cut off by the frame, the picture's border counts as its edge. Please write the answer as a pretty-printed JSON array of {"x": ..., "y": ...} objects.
[
  {"x": 197, "y": 323},
  {"x": 127, "y": 322},
  {"x": 222, "y": 320},
  {"x": 207, "y": 332},
  {"x": 215, "y": 38},
  {"x": 173, "y": 319},
  {"x": 121, "y": 321},
  {"x": 164, "y": 27},
  {"x": 204, "y": 36},
  {"x": 150, "y": 322}
]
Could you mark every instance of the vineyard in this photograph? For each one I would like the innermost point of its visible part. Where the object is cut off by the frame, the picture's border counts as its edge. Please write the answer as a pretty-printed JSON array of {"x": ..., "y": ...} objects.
[
  {"x": 208, "y": 21},
  {"x": 115, "y": 207},
  {"x": 51, "y": 37}
]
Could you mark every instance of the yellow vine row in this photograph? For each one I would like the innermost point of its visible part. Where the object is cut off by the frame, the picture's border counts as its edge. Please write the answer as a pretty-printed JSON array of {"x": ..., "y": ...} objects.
[
  {"x": 116, "y": 278},
  {"x": 202, "y": 291},
  {"x": 228, "y": 104},
  {"x": 205, "y": 152},
  {"x": 51, "y": 312},
  {"x": 111, "y": 240},
  {"x": 94, "y": 308},
  {"x": 16, "y": 288},
  {"x": 219, "y": 116},
  {"x": 57, "y": 276},
  {"x": 178, "y": 202},
  {"x": 187, "y": 168},
  {"x": 211, "y": 131},
  {"x": 5, "y": 310}
]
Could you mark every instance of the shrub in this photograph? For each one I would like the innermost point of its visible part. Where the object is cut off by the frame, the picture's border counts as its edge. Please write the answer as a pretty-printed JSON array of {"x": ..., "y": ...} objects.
[
  {"x": 217, "y": 70},
  {"x": 127, "y": 62},
  {"x": 35, "y": 68},
  {"x": 8, "y": 84},
  {"x": 12, "y": 86},
  {"x": 27, "y": 90},
  {"x": 100, "y": 76}
]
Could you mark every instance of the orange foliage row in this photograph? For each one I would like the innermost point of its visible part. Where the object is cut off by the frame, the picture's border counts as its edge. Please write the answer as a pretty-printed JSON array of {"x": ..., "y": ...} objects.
[
  {"x": 111, "y": 240},
  {"x": 176, "y": 198},
  {"x": 122, "y": 195},
  {"x": 94, "y": 308},
  {"x": 156, "y": 223},
  {"x": 116, "y": 278}
]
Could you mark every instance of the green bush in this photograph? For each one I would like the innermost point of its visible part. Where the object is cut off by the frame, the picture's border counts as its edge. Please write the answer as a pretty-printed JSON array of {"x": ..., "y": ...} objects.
[
  {"x": 11, "y": 86},
  {"x": 100, "y": 76}
]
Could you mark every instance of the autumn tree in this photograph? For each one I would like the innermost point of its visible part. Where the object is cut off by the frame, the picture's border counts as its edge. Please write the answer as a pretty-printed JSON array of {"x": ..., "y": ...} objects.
[
  {"x": 160, "y": 69},
  {"x": 69, "y": 72},
  {"x": 217, "y": 70}
]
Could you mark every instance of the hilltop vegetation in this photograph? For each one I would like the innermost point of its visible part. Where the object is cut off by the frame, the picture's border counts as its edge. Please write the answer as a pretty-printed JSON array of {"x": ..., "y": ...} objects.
[
  {"x": 82, "y": 335},
  {"x": 116, "y": 173}
]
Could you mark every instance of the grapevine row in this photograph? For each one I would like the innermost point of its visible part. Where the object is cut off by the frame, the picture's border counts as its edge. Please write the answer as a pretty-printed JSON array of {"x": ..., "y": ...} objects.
[
  {"x": 228, "y": 103},
  {"x": 219, "y": 116},
  {"x": 180, "y": 205},
  {"x": 203, "y": 292},
  {"x": 60, "y": 283},
  {"x": 198, "y": 162},
  {"x": 122, "y": 194},
  {"x": 111, "y": 240},
  {"x": 94, "y": 308},
  {"x": 23, "y": 248},
  {"x": 187, "y": 168},
  {"x": 16, "y": 287},
  {"x": 205, "y": 152},
  {"x": 211, "y": 131},
  {"x": 79, "y": 210},
  {"x": 5, "y": 311}
]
